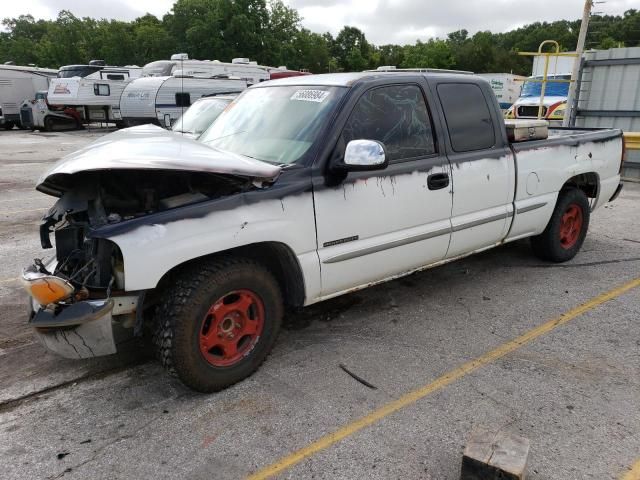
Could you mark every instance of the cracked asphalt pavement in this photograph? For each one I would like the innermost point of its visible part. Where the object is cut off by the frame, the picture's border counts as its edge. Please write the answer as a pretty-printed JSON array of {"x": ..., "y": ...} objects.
[{"x": 574, "y": 392}]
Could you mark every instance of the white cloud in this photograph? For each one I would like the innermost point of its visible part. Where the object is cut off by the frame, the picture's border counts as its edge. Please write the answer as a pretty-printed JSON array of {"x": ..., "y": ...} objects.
[
  {"x": 118, "y": 9},
  {"x": 383, "y": 21}
]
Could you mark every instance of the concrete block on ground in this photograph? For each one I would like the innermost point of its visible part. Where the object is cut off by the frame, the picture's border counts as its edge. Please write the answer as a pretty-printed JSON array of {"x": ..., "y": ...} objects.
[{"x": 494, "y": 454}]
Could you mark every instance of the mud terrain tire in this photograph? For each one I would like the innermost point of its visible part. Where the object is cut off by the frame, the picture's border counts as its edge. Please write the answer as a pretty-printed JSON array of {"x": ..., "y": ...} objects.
[
  {"x": 566, "y": 230},
  {"x": 204, "y": 304}
]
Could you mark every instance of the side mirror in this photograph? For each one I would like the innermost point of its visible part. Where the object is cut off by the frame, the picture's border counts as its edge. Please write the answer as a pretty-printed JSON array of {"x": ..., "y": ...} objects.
[{"x": 362, "y": 155}]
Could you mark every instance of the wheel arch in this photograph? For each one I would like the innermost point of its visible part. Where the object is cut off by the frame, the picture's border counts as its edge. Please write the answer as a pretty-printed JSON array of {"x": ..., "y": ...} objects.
[
  {"x": 588, "y": 182},
  {"x": 277, "y": 257}
]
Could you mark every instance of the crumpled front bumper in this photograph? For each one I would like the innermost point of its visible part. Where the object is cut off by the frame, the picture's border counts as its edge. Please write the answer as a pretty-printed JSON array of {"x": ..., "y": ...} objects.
[{"x": 82, "y": 330}]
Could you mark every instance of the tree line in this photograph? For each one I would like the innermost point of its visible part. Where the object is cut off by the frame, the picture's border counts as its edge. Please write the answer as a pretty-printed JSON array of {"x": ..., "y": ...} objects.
[{"x": 271, "y": 33}]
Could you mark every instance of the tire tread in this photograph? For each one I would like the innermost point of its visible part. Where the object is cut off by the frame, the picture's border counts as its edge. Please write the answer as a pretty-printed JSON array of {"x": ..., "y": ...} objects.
[
  {"x": 181, "y": 297},
  {"x": 546, "y": 246}
]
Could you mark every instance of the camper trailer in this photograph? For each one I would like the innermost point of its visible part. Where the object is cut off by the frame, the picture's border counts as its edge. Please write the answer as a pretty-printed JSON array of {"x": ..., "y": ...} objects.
[
  {"x": 96, "y": 95},
  {"x": 276, "y": 73},
  {"x": 506, "y": 86},
  {"x": 162, "y": 100},
  {"x": 17, "y": 84},
  {"x": 242, "y": 68}
]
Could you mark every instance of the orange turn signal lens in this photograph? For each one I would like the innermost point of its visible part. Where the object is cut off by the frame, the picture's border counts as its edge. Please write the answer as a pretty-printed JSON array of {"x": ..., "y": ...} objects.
[{"x": 46, "y": 289}]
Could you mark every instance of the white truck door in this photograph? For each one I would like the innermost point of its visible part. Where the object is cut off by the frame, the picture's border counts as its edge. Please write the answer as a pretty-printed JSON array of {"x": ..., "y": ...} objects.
[
  {"x": 375, "y": 225},
  {"x": 482, "y": 166}
]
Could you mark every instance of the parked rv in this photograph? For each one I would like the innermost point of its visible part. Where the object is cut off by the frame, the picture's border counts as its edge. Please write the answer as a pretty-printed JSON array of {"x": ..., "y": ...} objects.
[
  {"x": 180, "y": 64},
  {"x": 506, "y": 86},
  {"x": 70, "y": 71},
  {"x": 284, "y": 72},
  {"x": 18, "y": 83},
  {"x": 162, "y": 100},
  {"x": 201, "y": 115},
  {"x": 554, "y": 102},
  {"x": 96, "y": 95}
]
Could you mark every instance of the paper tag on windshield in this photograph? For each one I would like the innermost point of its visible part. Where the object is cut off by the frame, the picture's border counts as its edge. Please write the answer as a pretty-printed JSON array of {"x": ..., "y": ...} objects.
[{"x": 310, "y": 95}]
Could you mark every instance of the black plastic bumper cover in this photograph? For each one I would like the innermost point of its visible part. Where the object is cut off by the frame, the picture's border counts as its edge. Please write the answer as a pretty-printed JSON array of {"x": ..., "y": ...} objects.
[{"x": 616, "y": 193}]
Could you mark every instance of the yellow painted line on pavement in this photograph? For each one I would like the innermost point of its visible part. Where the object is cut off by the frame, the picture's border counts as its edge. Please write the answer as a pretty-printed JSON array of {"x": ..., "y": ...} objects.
[
  {"x": 9, "y": 280},
  {"x": 438, "y": 384},
  {"x": 634, "y": 473}
]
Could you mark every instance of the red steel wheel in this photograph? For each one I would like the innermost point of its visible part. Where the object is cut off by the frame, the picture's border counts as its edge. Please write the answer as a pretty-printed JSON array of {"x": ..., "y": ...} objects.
[
  {"x": 567, "y": 228},
  {"x": 570, "y": 226},
  {"x": 231, "y": 328}
]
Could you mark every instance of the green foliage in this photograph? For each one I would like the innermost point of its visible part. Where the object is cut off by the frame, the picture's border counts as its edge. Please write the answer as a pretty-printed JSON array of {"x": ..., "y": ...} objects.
[
  {"x": 270, "y": 32},
  {"x": 434, "y": 54}
]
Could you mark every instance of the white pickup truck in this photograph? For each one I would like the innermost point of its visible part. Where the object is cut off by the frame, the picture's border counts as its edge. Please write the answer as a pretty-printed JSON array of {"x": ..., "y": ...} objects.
[{"x": 304, "y": 189}]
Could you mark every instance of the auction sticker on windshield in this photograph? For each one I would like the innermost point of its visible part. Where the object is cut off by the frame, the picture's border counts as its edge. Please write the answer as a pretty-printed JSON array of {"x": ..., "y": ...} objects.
[{"x": 310, "y": 95}]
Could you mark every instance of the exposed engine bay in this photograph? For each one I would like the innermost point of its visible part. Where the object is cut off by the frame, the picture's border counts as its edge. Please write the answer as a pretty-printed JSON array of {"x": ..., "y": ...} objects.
[{"x": 89, "y": 200}]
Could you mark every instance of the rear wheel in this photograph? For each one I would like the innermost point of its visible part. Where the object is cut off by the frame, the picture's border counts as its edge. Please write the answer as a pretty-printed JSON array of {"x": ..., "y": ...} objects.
[
  {"x": 8, "y": 125},
  {"x": 218, "y": 323},
  {"x": 567, "y": 229}
]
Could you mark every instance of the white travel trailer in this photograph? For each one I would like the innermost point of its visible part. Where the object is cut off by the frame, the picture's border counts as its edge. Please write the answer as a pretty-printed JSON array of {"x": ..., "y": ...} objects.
[
  {"x": 97, "y": 95},
  {"x": 242, "y": 68},
  {"x": 162, "y": 100},
  {"x": 18, "y": 84},
  {"x": 506, "y": 86}
]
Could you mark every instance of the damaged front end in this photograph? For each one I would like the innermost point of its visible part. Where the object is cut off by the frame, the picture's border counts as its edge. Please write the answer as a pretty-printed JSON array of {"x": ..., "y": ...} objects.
[{"x": 80, "y": 306}]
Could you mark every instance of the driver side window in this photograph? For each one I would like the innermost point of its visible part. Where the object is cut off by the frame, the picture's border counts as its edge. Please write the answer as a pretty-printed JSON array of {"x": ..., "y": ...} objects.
[{"x": 395, "y": 115}]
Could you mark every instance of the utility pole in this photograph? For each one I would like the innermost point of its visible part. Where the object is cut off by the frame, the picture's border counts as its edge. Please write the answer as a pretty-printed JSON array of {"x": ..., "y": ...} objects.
[{"x": 582, "y": 36}]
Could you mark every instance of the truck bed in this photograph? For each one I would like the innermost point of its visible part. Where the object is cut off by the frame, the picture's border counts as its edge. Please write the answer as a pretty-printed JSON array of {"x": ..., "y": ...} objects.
[
  {"x": 569, "y": 136},
  {"x": 543, "y": 166}
]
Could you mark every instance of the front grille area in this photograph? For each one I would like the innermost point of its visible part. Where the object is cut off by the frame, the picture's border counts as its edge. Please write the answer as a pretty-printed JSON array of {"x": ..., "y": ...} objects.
[{"x": 530, "y": 111}]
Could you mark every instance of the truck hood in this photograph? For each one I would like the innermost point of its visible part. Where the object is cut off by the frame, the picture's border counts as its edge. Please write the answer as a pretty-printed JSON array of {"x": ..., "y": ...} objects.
[
  {"x": 548, "y": 101},
  {"x": 149, "y": 147}
]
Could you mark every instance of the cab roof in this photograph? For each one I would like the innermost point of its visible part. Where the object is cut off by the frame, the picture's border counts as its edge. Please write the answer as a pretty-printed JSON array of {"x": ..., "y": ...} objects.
[{"x": 351, "y": 78}]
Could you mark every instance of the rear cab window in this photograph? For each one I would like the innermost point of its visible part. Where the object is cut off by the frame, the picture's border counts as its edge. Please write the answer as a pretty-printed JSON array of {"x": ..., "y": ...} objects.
[
  {"x": 396, "y": 116},
  {"x": 468, "y": 116}
]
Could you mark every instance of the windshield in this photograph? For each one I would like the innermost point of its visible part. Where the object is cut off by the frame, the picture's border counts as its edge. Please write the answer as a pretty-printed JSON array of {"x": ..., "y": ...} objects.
[
  {"x": 553, "y": 89},
  {"x": 274, "y": 124},
  {"x": 200, "y": 115},
  {"x": 160, "y": 68},
  {"x": 78, "y": 71}
]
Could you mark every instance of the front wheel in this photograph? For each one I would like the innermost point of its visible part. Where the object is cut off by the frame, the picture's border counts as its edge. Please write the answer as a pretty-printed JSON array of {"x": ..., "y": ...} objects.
[
  {"x": 49, "y": 124},
  {"x": 566, "y": 230},
  {"x": 218, "y": 323}
]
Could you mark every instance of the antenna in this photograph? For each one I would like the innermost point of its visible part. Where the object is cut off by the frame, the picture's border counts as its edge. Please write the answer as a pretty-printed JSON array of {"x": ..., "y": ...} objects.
[{"x": 182, "y": 90}]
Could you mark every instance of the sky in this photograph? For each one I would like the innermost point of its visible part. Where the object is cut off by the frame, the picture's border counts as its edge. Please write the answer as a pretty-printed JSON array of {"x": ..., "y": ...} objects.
[{"x": 382, "y": 21}]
